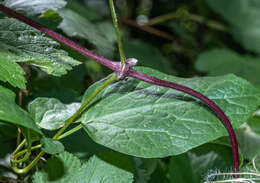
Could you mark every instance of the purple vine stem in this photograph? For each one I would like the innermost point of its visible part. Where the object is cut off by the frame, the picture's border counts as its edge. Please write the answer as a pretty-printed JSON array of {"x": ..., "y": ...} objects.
[{"x": 129, "y": 72}]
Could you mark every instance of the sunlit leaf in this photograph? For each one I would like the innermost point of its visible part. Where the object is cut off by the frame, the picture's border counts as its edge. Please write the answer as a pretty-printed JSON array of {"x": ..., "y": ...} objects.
[{"x": 144, "y": 120}]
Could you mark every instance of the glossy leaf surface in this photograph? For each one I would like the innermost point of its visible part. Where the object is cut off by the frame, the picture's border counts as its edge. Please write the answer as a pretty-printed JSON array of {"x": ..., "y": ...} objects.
[
  {"x": 139, "y": 119},
  {"x": 26, "y": 44},
  {"x": 50, "y": 113}
]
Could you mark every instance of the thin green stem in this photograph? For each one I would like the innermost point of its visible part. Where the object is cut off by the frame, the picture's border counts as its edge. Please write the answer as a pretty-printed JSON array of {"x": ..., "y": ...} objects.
[
  {"x": 82, "y": 107},
  {"x": 119, "y": 42},
  {"x": 19, "y": 146},
  {"x": 210, "y": 23},
  {"x": 58, "y": 134},
  {"x": 25, "y": 151},
  {"x": 39, "y": 146},
  {"x": 163, "y": 18},
  {"x": 73, "y": 130},
  {"x": 26, "y": 156},
  {"x": 28, "y": 167}
]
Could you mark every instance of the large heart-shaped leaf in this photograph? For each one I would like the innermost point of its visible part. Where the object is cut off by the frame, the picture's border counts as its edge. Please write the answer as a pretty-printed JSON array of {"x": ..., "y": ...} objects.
[
  {"x": 10, "y": 112},
  {"x": 144, "y": 120}
]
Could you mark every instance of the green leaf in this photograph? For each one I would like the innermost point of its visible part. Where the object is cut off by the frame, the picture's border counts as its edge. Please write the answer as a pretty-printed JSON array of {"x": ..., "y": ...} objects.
[
  {"x": 74, "y": 25},
  {"x": 62, "y": 168},
  {"x": 83, "y": 148},
  {"x": 85, "y": 11},
  {"x": 160, "y": 174},
  {"x": 223, "y": 61},
  {"x": 25, "y": 44},
  {"x": 11, "y": 72},
  {"x": 144, "y": 120},
  {"x": 117, "y": 159},
  {"x": 97, "y": 170},
  {"x": 198, "y": 163},
  {"x": 50, "y": 113},
  {"x": 8, "y": 133},
  {"x": 50, "y": 19},
  {"x": 51, "y": 146},
  {"x": 36, "y": 6},
  {"x": 243, "y": 17},
  {"x": 67, "y": 168},
  {"x": 144, "y": 168},
  {"x": 10, "y": 112},
  {"x": 147, "y": 55},
  {"x": 249, "y": 139}
]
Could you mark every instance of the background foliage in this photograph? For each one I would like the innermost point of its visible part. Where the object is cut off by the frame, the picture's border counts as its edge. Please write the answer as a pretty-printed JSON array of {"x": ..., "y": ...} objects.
[{"x": 135, "y": 132}]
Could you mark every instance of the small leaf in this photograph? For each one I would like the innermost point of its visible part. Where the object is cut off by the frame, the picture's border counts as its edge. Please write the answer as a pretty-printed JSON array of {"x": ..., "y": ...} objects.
[
  {"x": 67, "y": 168},
  {"x": 51, "y": 146},
  {"x": 74, "y": 25},
  {"x": 223, "y": 61},
  {"x": 11, "y": 72},
  {"x": 24, "y": 44},
  {"x": 50, "y": 113},
  {"x": 10, "y": 112},
  {"x": 36, "y": 6},
  {"x": 145, "y": 120}
]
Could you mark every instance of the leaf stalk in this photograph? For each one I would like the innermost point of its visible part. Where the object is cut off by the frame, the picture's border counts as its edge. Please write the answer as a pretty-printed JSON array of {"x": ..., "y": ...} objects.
[{"x": 119, "y": 42}]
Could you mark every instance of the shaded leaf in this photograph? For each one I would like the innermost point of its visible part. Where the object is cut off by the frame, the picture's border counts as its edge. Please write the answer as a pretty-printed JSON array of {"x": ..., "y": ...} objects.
[
  {"x": 243, "y": 17},
  {"x": 50, "y": 19},
  {"x": 83, "y": 148},
  {"x": 50, "y": 113},
  {"x": 51, "y": 146},
  {"x": 85, "y": 11},
  {"x": 160, "y": 174},
  {"x": 144, "y": 168},
  {"x": 197, "y": 163},
  {"x": 11, "y": 72},
  {"x": 36, "y": 6},
  {"x": 10, "y": 112},
  {"x": 147, "y": 55},
  {"x": 62, "y": 168},
  {"x": 249, "y": 139},
  {"x": 70, "y": 170},
  {"x": 8, "y": 133},
  {"x": 223, "y": 61},
  {"x": 97, "y": 170},
  {"x": 74, "y": 25},
  {"x": 25, "y": 44},
  {"x": 144, "y": 120},
  {"x": 117, "y": 159}
]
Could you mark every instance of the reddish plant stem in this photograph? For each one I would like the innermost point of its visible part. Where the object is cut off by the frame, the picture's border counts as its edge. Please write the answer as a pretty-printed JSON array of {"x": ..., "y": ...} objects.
[
  {"x": 146, "y": 28},
  {"x": 204, "y": 99},
  {"x": 140, "y": 76},
  {"x": 112, "y": 65}
]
